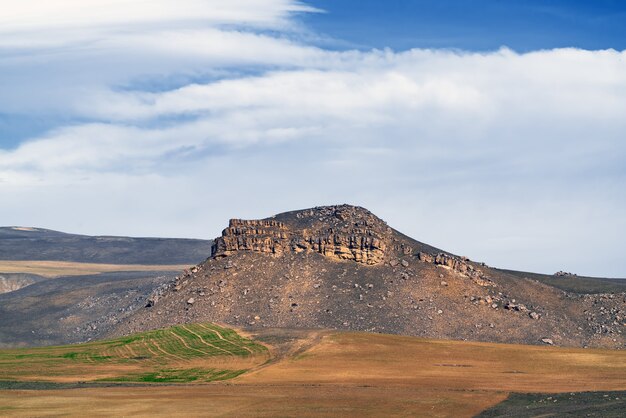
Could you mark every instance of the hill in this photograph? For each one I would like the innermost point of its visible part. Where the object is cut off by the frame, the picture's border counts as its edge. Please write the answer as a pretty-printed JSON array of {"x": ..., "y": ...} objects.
[
  {"x": 341, "y": 267},
  {"x": 37, "y": 244}
]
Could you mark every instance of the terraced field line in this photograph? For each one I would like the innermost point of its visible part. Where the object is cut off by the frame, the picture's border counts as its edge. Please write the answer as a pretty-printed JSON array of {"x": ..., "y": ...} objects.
[
  {"x": 182, "y": 340},
  {"x": 121, "y": 352},
  {"x": 132, "y": 352},
  {"x": 145, "y": 343},
  {"x": 158, "y": 347},
  {"x": 88, "y": 358},
  {"x": 223, "y": 339},
  {"x": 207, "y": 343},
  {"x": 117, "y": 352},
  {"x": 215, "y": 331}
]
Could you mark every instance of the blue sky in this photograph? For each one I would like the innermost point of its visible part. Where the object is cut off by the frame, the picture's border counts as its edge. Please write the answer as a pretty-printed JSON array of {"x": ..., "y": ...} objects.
[
  {"x": 495, "y": 131},
  {"x": 522, "y": 25}
]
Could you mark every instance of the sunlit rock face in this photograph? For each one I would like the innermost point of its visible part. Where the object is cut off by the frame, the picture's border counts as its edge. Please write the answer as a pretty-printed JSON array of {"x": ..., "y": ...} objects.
[{"x": 340, "y": 232}]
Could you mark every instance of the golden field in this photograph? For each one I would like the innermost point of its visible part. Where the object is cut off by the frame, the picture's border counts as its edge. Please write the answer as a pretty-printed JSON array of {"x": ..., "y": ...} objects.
[{"x": 52, "y": 269}]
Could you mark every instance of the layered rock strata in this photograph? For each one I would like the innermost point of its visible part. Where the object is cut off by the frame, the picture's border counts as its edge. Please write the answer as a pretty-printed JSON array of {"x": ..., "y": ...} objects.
[{"x": 364, "y": 239}]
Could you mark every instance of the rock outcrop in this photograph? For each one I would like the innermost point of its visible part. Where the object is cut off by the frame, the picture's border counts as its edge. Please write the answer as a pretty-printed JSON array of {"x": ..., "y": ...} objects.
[
  {"x": 261, "y": 236},
  {"x": 564, "y": 274},
  {"x": 458, "y": 264},
  {"x": 348, "y": 233}
]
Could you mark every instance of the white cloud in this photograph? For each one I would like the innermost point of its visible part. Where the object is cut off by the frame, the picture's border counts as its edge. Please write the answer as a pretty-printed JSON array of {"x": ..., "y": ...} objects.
[
  {"x": 512, "y": 158},
  {"x": 53, "y": 52},
  {"x": 430, "y": 100},
  {"x": 88, "y": 19}
]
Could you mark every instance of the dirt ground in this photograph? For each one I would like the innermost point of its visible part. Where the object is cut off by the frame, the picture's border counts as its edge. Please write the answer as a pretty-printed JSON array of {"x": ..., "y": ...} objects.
[
  {"x": 390, "y": 360},
  {"x": 351, "y": 374}
]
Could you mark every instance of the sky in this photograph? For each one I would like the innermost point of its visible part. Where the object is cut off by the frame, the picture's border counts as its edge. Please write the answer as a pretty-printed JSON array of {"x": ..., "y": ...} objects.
[
  {"x": 476, "y": 25},
  {"x": 491, "y": 129}
]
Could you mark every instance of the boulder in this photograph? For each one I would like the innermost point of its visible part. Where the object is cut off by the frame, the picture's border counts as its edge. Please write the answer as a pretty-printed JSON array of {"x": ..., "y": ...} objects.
[{"x": 425, "y": 257}]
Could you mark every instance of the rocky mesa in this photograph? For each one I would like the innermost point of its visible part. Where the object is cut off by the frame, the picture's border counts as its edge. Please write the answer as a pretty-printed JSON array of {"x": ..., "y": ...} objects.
[
  {"x": 341, "y": 267},
  {"x": 348, "y": 234}
]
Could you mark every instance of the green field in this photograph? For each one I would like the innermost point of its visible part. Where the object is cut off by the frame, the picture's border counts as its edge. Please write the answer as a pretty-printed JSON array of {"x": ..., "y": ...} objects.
[{"x": 181, "y": 354}]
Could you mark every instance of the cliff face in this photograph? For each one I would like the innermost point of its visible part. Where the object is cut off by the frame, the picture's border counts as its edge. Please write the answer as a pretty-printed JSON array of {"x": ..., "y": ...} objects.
[
  {"x": 260, "y": 236},
  {"x": 347, "y": 233}
]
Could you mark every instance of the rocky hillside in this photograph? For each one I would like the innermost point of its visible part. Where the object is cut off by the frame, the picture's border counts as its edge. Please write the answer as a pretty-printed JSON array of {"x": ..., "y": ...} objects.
[
  {"x": 73, "y": 309},
  {"x": 37, "y": 310},
  {"x": 341, "y": 267}
]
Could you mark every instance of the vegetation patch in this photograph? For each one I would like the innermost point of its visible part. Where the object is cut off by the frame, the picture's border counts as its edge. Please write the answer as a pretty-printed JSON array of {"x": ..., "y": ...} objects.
[{"x": 180, "y": 354}]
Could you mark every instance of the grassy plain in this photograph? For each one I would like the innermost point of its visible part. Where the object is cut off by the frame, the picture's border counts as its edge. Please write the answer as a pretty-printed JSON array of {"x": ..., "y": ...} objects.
[
  {"x": 315, "y": 373},
  {"x": 53, "y": 269}
]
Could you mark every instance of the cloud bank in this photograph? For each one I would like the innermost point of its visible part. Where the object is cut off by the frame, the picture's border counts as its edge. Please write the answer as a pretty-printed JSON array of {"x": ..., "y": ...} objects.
[{"x": 169, "y": 121}]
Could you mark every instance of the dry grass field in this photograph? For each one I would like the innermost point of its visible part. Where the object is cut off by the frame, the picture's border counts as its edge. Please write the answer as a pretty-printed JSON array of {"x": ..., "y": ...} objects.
[
  {"x": 316, "y": 373},
  {"x": 53, "y": 269},
  {"x": 220, "y": 400},
  {"x": 391, "y": 360}
]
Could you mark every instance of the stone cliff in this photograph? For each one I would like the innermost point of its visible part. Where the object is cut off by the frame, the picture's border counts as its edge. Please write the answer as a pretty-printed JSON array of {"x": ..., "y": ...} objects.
[{"x": 339, "y": 232}]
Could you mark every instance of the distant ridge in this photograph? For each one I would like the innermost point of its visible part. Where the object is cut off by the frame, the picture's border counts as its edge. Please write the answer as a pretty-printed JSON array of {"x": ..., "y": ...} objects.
[{"x": 30, "y": 243}]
